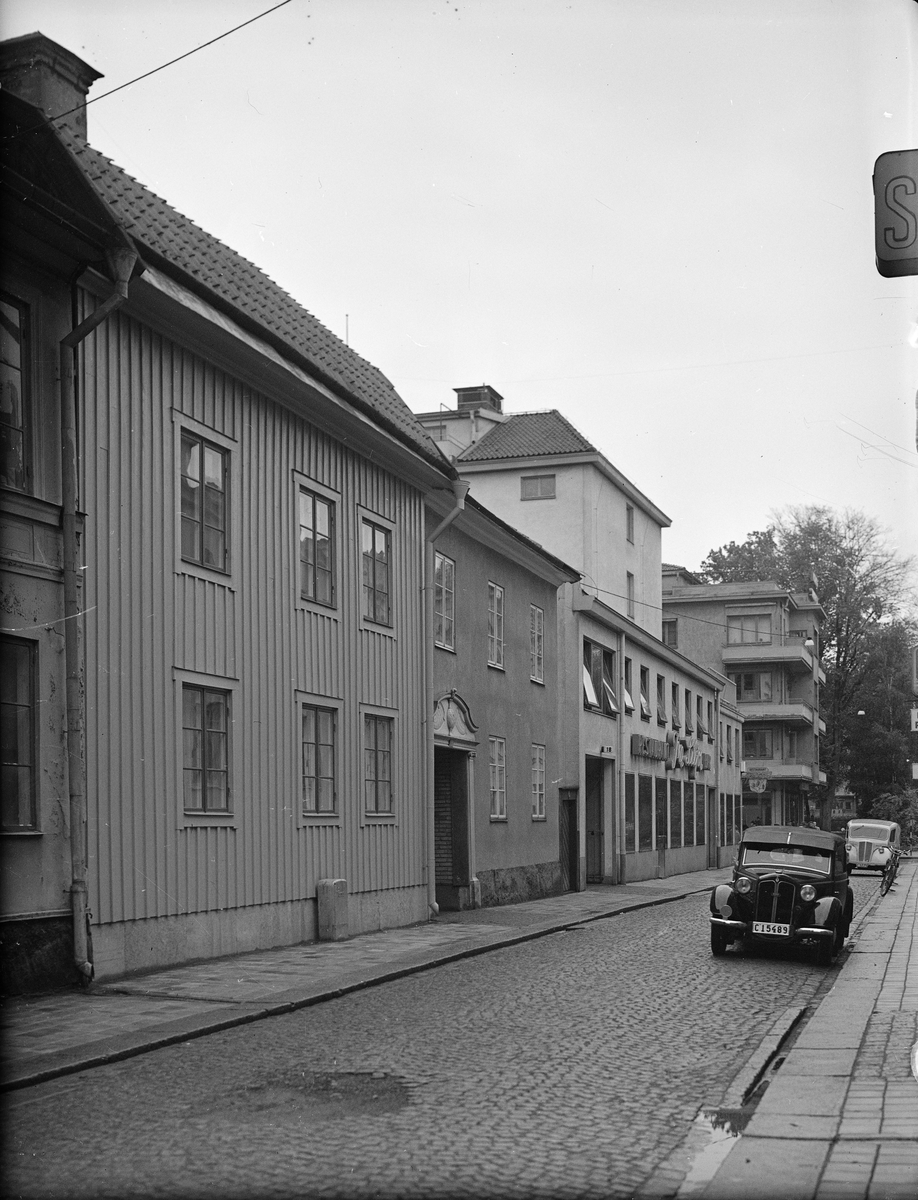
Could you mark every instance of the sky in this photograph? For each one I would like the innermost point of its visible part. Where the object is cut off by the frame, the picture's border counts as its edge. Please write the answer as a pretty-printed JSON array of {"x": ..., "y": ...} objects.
[{"x": 656, "y": 216}]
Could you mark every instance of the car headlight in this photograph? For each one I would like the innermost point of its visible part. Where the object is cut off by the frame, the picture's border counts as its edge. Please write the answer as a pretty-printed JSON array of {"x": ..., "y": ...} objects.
[
  {"x": 807, "y": 892},
  {"x": 849, "y": 848},
  {"x": 743, "y": 885}
]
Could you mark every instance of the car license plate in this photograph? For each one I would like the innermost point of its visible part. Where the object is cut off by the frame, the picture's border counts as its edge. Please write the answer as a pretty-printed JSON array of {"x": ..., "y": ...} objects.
[{"x": 770, "y": 927}]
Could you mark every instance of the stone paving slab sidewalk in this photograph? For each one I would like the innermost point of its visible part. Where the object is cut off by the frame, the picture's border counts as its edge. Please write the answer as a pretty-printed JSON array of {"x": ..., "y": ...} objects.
[
  {"x": 840, "y": 1117},
  {"x": 63, "y": 1032}
]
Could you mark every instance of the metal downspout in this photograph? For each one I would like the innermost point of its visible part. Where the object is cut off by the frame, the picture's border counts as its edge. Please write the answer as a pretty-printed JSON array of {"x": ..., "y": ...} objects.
[
  {"x": 460, "y": 491},
  {"x": 121, "y": 262},
  {"x": 714, "y": 809}
]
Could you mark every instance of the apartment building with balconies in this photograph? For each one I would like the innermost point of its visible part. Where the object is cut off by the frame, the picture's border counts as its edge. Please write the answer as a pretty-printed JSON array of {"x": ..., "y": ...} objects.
[{"x": 766, "y": 640}]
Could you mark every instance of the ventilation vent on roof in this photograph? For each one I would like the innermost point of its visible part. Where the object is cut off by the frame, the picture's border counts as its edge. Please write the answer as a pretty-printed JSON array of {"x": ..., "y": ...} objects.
[{"x": 482, "y": 396}]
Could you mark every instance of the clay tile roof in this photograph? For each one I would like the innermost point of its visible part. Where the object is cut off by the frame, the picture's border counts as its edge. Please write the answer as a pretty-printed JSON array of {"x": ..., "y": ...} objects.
[
  {"x": 242, "y": 290},
  {"x": 524, "y": 435}
]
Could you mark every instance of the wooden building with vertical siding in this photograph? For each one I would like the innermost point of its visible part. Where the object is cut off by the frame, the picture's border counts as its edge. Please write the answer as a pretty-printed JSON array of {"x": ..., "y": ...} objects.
[{"x": 249, "y": 531}]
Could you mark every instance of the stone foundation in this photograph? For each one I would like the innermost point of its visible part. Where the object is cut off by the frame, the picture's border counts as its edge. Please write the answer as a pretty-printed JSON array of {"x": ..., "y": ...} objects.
[{"x": 513, "y": 885}]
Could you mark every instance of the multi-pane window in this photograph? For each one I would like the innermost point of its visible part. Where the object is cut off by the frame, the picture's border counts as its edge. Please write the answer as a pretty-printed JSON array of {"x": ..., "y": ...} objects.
[
  {"x": 376, "y": 553},
  {"x": 689, "y": 718},
  {"x": 661, "y": 700},
  {"x": 645, "y": 693},
  {"x": 497, "y": 782},
  {"x": 676, "y": 706},
  {"x": 671, "y": 633},
  {"x": 317, "y": 548},
  {"x": 204, "y": 502},
  {"x": 536, "y": 643},
  {"x": 205, "y": 725},
  {"x": 538, "y": 783},
  {"x": 445, "y": 602},
  {"x": 629, "y": 522},
  {"x": 757, "y": 743},
  {"x": 729, "y": 746},
  {"x": 630, "y": 594},
  {"x": 598, "y": 678},
  {"x": 14, "y": 395},
  {"x": 495, "y": 625},
  {"x": 377, "y": 763},
  {"x": 748, "y": 627},
  {"x": 752, "y": 685},
  {"x": 18, "y": 724},
  {"x": 700, "y": 723},
  {"x": 629, "y": 687},
  {"x": 318, "y": 759},
  {"x": 537, "y": 487}
]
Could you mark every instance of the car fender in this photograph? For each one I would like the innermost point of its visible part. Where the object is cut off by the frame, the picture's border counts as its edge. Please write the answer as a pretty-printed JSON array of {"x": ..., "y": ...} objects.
[
  {"x": 722, "y": 897},
  {"x": 827, "y": 912}
]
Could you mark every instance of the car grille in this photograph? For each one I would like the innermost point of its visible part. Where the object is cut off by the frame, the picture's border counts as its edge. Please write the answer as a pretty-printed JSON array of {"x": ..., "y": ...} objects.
[
  {"x": 775, "y": 901},
  {"x": 864, "y": 851}
]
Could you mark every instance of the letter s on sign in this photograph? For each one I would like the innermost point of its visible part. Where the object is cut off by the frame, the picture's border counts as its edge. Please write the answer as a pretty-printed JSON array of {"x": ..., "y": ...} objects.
[
  {"x": 895, "y": 195},
  {"x": 895, "y": 187}
]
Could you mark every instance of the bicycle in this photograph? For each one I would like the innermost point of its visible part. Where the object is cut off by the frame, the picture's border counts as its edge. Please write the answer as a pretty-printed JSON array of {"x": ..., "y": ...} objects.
[{"x": 889, "y": 874}]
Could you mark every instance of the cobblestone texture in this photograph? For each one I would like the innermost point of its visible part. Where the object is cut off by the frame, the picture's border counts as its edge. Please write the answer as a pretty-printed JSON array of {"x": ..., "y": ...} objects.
[{"x": 570, "y": 1066}]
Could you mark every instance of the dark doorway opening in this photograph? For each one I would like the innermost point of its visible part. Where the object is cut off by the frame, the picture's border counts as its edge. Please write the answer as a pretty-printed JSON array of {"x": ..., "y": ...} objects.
[{"x": 451, "y": 828}]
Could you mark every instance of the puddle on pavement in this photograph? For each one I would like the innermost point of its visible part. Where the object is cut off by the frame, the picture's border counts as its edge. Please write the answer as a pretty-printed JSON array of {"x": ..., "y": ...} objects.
[{"x": 718, "y": 1129}]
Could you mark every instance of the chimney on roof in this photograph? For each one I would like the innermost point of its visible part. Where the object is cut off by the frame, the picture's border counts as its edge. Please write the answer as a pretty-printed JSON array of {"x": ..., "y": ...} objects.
[
  {"x": 479, "y": 397},
  {"x": 48, "y": 77}
]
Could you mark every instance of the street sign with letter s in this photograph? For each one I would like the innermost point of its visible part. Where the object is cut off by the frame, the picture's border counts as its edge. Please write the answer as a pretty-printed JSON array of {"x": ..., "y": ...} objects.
[{"x": 895, "y": 195}]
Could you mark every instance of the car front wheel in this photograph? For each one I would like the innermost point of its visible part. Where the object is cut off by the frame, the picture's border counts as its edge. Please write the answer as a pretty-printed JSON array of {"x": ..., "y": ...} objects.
[
  {"x": 719, "y": 941},
  {"x": 826, "y": 950}
]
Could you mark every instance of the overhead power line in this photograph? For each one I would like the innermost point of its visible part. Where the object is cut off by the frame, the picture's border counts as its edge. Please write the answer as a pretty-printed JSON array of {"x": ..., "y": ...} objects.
[{"x": 162, "y": 67}]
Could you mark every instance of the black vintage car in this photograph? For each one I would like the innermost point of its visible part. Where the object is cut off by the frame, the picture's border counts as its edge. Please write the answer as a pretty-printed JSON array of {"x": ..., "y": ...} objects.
[{"x": 790, "y": 887}]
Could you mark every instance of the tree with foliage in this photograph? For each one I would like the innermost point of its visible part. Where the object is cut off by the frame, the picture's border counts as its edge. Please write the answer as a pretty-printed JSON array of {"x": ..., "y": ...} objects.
[
  {"x": 862, "y": 584},
  {"x": 901, "y": 806},
  {"x": 877, "y": 737}
]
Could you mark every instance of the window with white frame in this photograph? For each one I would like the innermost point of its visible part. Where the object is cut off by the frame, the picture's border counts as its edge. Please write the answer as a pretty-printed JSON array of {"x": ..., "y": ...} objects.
[
  {"x": 538, "y": 782},
  {"x": 676, "y": 706},
  {"x": 729, "y": 744},
  {"x": 377, "y": 764},
  {"x": 376, "y": 554},
  {"x": 317, "y": 739},
  {"x": 445, "y": 602},
  {"x": 629, "y": 687},
  {"x": 746, "y": 628},
  {"x": 14, "y": 393},
  {"x": 205, "y": 730},
  {"x": 317, "y": 548},
  {"x": 599, "y": 678},
  {"x": 661, "y": 700},
  {"x": 205, "y": 511},
  {"x": 710, "y": 728},
  {"x": 536, "y": 643},
  {"x": 629, "y": 522},
  {"x": 630, "y": 594},
  {"x": 700, "y": 723},
  {"x": 671, "y": 633},
  {"x": 495, "y": 625},
  {"x": 645, "y": 693},
  {"x": 689, "y": 712},
  {"x": 537, "y": 487},
  {"x": 497, "y": 773},
  {"x": 18, "y": 729}
]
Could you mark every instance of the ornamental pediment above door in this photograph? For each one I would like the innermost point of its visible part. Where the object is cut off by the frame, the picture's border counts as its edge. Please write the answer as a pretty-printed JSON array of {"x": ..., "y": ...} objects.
[{"x": 453, "y": 724}]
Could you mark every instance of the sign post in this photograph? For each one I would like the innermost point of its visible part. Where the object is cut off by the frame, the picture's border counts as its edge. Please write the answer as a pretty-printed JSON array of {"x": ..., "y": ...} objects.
[{"x": 895, "y": 195}]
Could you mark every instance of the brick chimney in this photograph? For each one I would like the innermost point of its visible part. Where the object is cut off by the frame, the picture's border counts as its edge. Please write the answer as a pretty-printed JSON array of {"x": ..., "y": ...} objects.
[
  {"x": 48, "y": 77},
  {"x": 482, "y": 396}
]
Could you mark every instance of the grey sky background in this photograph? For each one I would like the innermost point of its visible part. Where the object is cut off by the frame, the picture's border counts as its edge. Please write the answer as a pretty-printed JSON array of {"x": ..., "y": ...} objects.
[{"x": 653, "y": 215}]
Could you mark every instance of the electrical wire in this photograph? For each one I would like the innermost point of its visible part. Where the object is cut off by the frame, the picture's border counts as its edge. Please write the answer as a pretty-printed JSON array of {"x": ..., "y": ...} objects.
[{"x": 147, "y": 74}]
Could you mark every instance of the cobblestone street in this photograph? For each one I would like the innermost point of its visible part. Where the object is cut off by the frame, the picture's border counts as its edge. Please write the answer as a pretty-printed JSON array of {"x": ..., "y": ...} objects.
[{"x": 568, "y": 1066}]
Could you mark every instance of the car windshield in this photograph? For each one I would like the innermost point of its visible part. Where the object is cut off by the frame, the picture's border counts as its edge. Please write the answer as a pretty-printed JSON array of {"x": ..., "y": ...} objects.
[
  {"x": 806, "y": 857},
  {"x": 873, "y": 833}
]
